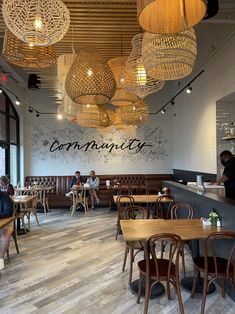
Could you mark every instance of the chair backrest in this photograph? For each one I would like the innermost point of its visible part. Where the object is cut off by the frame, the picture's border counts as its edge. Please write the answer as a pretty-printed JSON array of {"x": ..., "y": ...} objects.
[
  {"x": 154, "y": 242},
  {"x": 125, "y": 200},
  {"x": 182, "y": 210},
  {"x": 210, "y": 250},
  {"x": 135, "y": 212}
]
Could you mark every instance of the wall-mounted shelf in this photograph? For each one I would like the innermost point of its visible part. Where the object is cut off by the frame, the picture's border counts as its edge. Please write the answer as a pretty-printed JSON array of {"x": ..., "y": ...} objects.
[{"x": 230, "y": 137}]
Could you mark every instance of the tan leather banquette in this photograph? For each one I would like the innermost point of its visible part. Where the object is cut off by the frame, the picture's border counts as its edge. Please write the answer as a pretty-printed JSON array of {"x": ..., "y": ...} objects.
[{"x": 57, "y": 196}]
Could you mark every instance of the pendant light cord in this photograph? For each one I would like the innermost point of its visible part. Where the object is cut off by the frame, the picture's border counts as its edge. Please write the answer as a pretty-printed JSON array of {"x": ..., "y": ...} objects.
[{"x": 183, "y": 14}]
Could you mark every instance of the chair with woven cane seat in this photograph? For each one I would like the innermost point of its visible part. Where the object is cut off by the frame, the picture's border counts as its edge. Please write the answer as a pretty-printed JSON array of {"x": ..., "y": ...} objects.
[
  {"x": 163, "y": 206},
  {"x": 133, "y": 212},
  {"x": 122, "y": 201},
  {"x": 213, "y": 266},
  {"x": 158, "y": 269},
  {"x": 181, "y": 210}
]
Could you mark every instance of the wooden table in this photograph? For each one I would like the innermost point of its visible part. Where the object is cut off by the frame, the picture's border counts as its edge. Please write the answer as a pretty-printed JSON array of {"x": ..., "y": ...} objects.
[
  {"x": 144, "y": 198},
  {"x": 187, "y": 229},
  {"x": 20, "y": 200},
  {"x": 41, "y": 190}
]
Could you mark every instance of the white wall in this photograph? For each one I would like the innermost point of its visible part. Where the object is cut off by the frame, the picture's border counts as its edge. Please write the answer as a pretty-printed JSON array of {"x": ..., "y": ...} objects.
[
  {"x": 194, "y": 127},
  {"x": 41, "y": 132}
]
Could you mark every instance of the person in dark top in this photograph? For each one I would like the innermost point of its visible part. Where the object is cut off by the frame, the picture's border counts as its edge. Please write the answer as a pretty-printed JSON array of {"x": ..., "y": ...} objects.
[
  {"x": 6, "y": 210},
  {"x": 5, "y": 185},
  {"x": 76, "y": 180},
  {"x": 228, "y": 177}
]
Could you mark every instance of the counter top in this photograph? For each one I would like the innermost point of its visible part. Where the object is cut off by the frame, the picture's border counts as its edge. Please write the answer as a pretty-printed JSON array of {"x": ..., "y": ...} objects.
[{"x": 217, "y": 195}]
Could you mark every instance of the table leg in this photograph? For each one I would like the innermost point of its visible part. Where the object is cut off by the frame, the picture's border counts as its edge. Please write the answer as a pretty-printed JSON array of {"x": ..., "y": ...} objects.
[{"x": 187, "y": 282}]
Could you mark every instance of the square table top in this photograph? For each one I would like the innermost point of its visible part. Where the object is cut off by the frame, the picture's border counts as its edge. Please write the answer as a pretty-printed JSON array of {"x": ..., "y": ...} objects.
[
  {"x": 23, "y": 199},
  {"x": 187, "y": 229},
  {"x": 6, "y": 221},
  {"x": 144, "y": 198}
]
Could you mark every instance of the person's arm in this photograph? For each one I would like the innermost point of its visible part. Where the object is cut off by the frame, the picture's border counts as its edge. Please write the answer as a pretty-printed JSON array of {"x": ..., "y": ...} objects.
[
  {"x": 96, "y": 183},
  {"x": 223, "y": 179},
  {"x": 6, "y": 209}
]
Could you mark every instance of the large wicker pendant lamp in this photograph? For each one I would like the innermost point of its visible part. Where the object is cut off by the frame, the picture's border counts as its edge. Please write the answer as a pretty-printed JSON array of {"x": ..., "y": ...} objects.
[
  {"x": 135, "y": 114},
  {"x": 169, "y": 57},
  {"x": 134, "y": 77},
  {"x": 118, "y": 123},
  {"x": 23, "y": 55},
  {"x": 92, "y": 116},
  {"x": 38, "y": 22},
  {"x": 90, "y": 80},
  {"x": 109, "y": 127},
  {"x": 170, "y": 16},
  {"x": 123, "y": 98}
]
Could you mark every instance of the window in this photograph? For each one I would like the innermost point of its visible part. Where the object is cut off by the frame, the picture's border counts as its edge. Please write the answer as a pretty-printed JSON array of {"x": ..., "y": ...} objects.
[{"x": 9, "y": 139}]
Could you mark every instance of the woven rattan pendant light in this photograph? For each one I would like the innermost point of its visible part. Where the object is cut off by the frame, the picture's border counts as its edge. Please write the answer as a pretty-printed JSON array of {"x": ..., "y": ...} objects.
[
  {"x": 169, "y": 57},
  {"x": 39, "y": 22},
  {"x": 64, "y": 63},
  {"x": 90, "y": 80},
  {"x": 23, "y": 55},
  {"x": 67, "y": 112},
  {"x": 123, "y": 98},
  {"x": 170, "y": 16},
  {"x": 117, "y": 65},
  {"x": 110, "y": 127},
  {"x": 118, "y": 123},
  {"x": 92, "y": 116},
  {"x": 135, "y": 114},
  {"x": 134, "y": 77}
]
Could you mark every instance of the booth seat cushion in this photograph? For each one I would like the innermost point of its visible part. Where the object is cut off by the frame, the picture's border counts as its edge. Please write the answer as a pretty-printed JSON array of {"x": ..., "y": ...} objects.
[{"x": 57, "y": 196}]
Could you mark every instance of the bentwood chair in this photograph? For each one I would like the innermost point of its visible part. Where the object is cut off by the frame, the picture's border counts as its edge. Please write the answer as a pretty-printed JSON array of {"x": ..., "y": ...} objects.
[
  {"x": 27, "y": 211},
  {"x": 163, "y": 206},
  {"x": 213, "y": 266},
  {"x": 133, "y": 247},
  {"x": 14, "y": 236},
  {"x": 122, "y": 201},
  {"x": 181, "y": 210},
  {"x": 154, "y": 269}
]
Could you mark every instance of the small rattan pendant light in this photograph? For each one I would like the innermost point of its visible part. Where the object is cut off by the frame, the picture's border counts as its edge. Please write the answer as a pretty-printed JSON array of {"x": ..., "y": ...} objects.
[
  {"x": 169, "y": 57},
  {"x": 170, "y": 16},
  {"x": 90, "y": 80},
  {"x": 135, "y": 114},
  {"x": 117, "y": 65},
  {"x": 38, "y": 22},
  {"x": 92, "y": 116},
  {"x": 134, "y": 77},
  {"x": 24, "y": 55}
]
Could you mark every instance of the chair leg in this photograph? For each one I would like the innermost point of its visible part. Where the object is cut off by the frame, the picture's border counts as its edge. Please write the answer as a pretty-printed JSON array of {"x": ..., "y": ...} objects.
[
  {"x": 131, "y": 265},
  {"x": 139, "y": 289},
  {"x": 28, "y": 216},
  {"x": 178, "y": 292},
  {"x": 168, "y": 290},
  {"x": 222, "y": 285},
  {"x": 8, "y": 256},
  {"x": 183, "y": 261},
  {"x": 125, "y": 257},
  {"x": 36, "y": 217},
  {"x": 205, "y": 286},
  {"x": 14, "y": 235},
  {"x": 194, "y": 282},
  {"x": 147, "y": 294}
]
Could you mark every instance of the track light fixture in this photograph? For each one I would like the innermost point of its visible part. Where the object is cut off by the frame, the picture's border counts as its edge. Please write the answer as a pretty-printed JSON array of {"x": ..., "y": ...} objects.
[
  {"x": 172, "y": 102},
  {"x": 30, "y": 110},
  {"x": 37, "y": 114},
  {"x": 189, "y": 90},
  {"x": 17, "y": 101},
  {"x": 163, "y": 110},
  {"x": 59, "y": 116},
  {"x": 0, "y": 90}
]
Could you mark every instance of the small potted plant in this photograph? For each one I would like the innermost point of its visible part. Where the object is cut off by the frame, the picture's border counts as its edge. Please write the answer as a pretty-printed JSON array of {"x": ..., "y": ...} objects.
[{"x": 213, "y": 217}]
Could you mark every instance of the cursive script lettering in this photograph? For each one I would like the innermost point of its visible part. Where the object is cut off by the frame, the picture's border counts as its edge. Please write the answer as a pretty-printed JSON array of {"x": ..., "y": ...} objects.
[{"x": 134, "y": 145}]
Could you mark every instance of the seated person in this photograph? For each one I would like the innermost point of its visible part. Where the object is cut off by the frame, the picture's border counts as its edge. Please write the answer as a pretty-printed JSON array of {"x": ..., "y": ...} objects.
[
  {"x": 76, "y": 180},
  {"x": 94, "y": 183},
  {"x": 6, "y": 210},
  {"x": 5, "y": 185}
]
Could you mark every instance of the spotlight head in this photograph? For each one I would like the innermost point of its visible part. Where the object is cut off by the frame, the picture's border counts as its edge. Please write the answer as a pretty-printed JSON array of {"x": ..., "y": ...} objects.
[
  {"x": 172, "y": 102},
  {"x": 0, "y": 90},
  {"x": 17, "y": 102},
  {"x": 59, "y": 116},
  {"x": 163, "y": 111},
  {"x": 37, "y": 114},
  {"x": 189, "y": 90},
  {"x": 30, "y": 110}
]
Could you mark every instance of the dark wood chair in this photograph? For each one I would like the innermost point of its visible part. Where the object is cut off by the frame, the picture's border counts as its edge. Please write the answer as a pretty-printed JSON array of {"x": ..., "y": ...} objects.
[
  {"x": 14, "y": 236},
  {"x": 133, "y": 247},
  {"x": 159, "y": 269},
  {"x": 185, "y": 211},
  {"x": 163, "y": 206},
  {"x": 213, "y": 266},
  {"x": 129, "y": 201}
]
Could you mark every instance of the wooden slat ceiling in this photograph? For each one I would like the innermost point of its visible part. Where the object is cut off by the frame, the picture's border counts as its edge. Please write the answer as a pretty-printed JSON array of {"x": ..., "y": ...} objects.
[{"x": 107, "y": 25}]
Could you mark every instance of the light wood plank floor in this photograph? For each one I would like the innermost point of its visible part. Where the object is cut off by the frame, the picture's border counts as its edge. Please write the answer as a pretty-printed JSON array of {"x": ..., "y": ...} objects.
[{"x": 73, "y": 265}]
